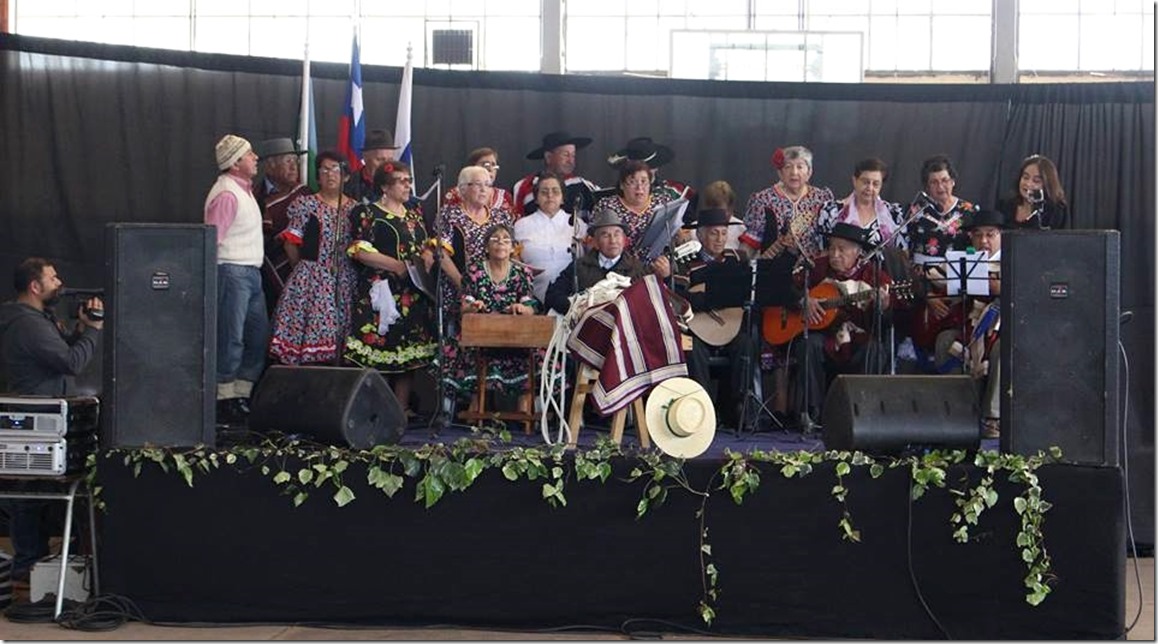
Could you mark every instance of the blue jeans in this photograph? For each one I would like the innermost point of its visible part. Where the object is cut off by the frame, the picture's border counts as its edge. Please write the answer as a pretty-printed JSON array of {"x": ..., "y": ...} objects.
[
  {"x": 29, "y": 538},
  {"x": 242, "y": 323}
]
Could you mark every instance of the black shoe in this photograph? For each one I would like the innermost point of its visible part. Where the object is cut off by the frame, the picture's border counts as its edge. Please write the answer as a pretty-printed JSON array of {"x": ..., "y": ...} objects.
[{"x": 232, "y": 411}]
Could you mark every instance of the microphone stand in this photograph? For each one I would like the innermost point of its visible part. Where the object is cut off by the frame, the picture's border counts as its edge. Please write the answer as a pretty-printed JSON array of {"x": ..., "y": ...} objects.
[
  {"x": 749, "y": 366},
  {"x": 877, "y": 257},
  {"x": 439, "y": 419},
  {"x": 336, "y": 269},
  {"x": 807, "y": 425}
]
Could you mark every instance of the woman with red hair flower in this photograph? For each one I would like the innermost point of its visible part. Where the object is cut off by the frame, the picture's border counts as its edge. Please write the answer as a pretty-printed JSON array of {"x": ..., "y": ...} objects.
[{"x": 782, "y": 218}]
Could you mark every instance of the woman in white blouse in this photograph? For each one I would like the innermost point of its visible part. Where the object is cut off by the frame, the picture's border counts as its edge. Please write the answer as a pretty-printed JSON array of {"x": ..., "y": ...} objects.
[{"x": 546, "y": 235}]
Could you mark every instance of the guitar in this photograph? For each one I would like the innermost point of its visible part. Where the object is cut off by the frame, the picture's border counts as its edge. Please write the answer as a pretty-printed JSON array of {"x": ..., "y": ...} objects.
[
  {"x": 801, "y": 222},
  {"x": 719, "y": 327},
  {"x": 782, "y": 324},
  {"x": 715, "y": 327}
]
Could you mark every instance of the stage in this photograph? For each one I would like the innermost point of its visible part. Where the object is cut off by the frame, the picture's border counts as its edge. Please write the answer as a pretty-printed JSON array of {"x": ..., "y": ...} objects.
[{"x": 234, "y": 548}]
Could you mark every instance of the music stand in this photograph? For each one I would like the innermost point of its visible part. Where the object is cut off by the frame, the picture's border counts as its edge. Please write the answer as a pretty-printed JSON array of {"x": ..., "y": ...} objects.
[
  {"x": 966, "y": 274},
  {"x": 769, "y": 283}
]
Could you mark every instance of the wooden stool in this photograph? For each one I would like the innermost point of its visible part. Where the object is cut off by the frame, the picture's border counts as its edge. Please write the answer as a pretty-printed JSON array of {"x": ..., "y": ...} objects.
[
  {"x": 507, "y": 331},
  {"x": 584, "y": 383}
]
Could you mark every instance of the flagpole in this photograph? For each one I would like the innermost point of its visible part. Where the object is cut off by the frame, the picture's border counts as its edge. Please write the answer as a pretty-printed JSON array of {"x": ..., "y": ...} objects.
[
  {"x": 402, "y": 137},
  {"x": 304, "y": 119}
]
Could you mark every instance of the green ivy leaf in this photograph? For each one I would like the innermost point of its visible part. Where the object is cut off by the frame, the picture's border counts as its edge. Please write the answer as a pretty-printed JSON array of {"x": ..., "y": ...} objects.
[
  {"x": 183, "y": 468},
  {"x": 305, "y": 475},
  {"x": 1019, "y": 504},
  {"x": 433, "y": 490},
  {"x": 990, "y": 497},
  {"x": 510, "y": 471},
  {"x": 473, "y": 467},
  {"x": 281, "y": 477},
  {"x": 230, "y": 458},
  {"x": 300, "y": 498},
  {"x": 343, "y": 496},
  {"x": 876, "y": 469},
  {"x": 842, "y": 468}
]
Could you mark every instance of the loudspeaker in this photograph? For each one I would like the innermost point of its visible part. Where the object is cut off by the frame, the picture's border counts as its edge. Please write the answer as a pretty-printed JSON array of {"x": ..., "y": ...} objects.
[
  {"x": 333, "y": 405},
  {"x": 160, "y": 344},
  {"x": 883, "y": 414},
  {"x": 1059, "y": 343}
]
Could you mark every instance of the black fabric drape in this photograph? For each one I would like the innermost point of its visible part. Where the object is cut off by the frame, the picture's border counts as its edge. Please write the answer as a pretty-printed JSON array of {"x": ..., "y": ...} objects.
[{"x": 101, "y": 133}]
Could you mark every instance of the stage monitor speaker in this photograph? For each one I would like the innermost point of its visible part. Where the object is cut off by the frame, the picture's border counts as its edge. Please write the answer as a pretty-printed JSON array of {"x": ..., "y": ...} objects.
[
  {"x": 887, "y": 414},
  {"x": 332, "y": 405},
  {"x": 160, "y": 344},
  {"x": 1059, "y": 344}
]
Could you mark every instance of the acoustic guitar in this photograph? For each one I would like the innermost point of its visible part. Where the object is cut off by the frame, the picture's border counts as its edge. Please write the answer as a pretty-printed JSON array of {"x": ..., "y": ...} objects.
[
  {"x": 715, "y": 327},
  {"x": 782, "y": 324}
]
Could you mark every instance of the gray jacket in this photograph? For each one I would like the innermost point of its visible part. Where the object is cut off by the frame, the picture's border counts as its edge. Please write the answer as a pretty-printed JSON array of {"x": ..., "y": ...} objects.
[{"x": 37, "y": 357}]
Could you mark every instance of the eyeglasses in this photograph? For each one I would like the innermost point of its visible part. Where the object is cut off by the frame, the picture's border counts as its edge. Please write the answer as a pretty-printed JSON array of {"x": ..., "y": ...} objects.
[
  {"x": 490, "y": 165},
  {"x": 479, "y": 184},
  {"x": 501, "y": 241},
  {"x": 330, "y": 169},
  {"x": 406, "y": 180}
]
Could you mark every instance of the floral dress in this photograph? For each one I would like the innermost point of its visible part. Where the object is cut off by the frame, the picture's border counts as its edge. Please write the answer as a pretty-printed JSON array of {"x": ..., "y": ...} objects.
[
  {"x": 506, "y": 368},
  {"x": 934, "y": 233},
  {"x": 409, "y": 342},
  {"x": 887, "y": 223},
  {"x": 760, "y": 231},
  {"x": 636, "y": 222},
  {"x": 468, "y": 239},
  {"x": 311, "y": 318}
]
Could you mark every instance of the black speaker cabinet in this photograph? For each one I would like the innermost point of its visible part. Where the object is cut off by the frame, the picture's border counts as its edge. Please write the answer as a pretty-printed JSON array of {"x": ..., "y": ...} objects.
[
  {"x": 886, "y": 414},
  {"x": 1059, "y": 343},
  {"x": 160, "y": 335},
  {"x": 332, "y": 405}
]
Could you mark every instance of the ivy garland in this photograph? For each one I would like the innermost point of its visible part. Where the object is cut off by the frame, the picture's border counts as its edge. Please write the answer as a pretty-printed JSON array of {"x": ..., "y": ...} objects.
[{"x": 438, "y": 468}]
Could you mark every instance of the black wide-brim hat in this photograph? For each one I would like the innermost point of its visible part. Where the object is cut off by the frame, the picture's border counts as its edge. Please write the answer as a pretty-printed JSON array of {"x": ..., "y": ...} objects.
[
  {"x": 984, "y": 218},
  {"x": 713, "y": 217},
  {"x": 555, "y": 139},
  {"x": 642, "y": 149},
  {"x": 854, "y": 234}
]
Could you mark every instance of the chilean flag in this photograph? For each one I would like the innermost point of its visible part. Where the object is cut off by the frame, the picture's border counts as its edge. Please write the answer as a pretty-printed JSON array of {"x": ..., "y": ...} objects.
[{"x": 352, "y": 127}]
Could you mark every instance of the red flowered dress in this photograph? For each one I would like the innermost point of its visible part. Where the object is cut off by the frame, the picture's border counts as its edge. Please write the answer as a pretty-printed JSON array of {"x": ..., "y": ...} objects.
[
  {"x": 309, "y": 323},
  {"x": 409, "y": 343}
]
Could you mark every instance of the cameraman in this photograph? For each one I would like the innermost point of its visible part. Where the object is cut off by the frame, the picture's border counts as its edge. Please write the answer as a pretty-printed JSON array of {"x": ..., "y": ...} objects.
[{"x": 41, "y": 357}]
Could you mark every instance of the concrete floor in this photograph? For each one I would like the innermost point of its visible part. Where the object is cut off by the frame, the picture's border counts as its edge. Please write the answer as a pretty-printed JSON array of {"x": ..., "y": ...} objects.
[{"x": 1135, "y": 601}]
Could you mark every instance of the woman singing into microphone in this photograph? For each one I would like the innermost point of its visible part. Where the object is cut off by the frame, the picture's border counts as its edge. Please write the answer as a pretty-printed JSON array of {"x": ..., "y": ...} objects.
[{"x": 1040, "y": 202}]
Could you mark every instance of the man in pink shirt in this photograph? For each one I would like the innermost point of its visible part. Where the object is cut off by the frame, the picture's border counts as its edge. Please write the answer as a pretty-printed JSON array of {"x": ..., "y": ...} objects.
[{"x": 242, "y": 321}]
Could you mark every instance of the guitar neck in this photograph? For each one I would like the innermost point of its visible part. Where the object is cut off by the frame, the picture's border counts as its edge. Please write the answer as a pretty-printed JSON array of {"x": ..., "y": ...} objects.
[{"x": 845, "y": 300}]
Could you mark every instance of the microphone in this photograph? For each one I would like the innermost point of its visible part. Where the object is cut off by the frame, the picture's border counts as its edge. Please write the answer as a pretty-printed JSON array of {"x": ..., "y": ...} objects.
[
  {"x": 1036, "y": 196},
  {"x": 438, "y": 170},
  {"x": 82, "y": 292},
  {"x": 576, "y": 202}
]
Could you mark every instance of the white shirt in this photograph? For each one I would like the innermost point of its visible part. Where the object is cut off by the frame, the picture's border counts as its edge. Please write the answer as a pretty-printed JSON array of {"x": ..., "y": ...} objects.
[{"x": 546, "y": 244}]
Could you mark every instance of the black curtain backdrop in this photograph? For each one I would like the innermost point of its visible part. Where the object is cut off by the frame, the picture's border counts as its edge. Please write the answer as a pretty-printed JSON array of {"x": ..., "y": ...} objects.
[{"x": 98, "y": 133}]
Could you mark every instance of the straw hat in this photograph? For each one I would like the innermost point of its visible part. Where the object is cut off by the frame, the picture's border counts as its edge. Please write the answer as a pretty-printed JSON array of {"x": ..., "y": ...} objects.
[{"x": 681, "y": 418}]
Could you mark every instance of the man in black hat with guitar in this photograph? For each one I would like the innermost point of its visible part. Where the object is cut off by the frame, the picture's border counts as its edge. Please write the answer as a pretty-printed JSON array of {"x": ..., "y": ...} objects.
[
  {"x": 715, "y": 331},
  {"x": 558, "y": 153},
  {"x": 838, "y": 309}
]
